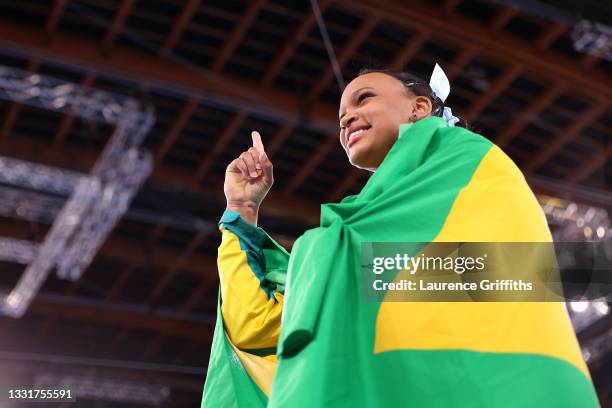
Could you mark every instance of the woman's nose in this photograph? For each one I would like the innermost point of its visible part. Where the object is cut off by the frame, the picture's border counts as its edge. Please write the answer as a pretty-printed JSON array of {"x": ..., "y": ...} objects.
[{"x": 347, "y": 120}]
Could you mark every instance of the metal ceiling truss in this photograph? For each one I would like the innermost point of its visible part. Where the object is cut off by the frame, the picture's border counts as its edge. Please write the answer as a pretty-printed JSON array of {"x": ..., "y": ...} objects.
[{"x": 96, "y": 201}]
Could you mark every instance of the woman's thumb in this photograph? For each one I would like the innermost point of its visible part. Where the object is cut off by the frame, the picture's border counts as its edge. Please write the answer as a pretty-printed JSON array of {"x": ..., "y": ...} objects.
[{"x": 266, "y": 165}]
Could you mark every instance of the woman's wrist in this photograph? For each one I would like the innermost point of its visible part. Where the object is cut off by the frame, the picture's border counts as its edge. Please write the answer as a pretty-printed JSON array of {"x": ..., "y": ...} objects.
[{"x": 248, "y": 211}]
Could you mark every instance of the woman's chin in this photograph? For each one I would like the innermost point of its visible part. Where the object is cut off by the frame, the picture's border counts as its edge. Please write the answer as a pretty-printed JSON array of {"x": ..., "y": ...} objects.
[
  {"x": 360, "y": 160},
  {"x": 355, "y": 159}
]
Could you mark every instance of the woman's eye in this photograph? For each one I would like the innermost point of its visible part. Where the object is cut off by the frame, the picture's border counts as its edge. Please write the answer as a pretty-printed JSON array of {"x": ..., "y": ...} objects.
[{"x": 361, "y": 97}]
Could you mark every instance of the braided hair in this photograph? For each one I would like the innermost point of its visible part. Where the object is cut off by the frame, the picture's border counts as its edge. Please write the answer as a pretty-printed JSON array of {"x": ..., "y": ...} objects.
[{"x": 417, "y": 87}]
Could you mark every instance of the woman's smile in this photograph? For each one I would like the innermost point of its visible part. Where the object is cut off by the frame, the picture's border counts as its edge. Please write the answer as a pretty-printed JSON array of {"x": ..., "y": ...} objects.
[{"x": 355, "y": 135}]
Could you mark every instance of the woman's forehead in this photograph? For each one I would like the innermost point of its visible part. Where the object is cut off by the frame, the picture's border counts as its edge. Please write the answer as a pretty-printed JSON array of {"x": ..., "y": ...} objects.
[
  {"x": 372, "y": 79},
  {"x": 375, "y": 80}
]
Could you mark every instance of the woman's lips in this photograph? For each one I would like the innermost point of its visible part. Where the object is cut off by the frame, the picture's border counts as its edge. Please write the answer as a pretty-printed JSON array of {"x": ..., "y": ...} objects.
[{"x": 355, "y": 136}]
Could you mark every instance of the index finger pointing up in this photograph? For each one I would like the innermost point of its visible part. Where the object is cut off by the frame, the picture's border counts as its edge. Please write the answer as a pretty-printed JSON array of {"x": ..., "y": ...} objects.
[{"x": 257, "y": 143}]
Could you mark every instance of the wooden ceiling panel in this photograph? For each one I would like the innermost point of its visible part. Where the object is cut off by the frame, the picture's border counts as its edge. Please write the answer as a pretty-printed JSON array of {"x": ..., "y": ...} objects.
[
  {"x": 481, "y": 11},
  {"x": 34, "y": 13}
]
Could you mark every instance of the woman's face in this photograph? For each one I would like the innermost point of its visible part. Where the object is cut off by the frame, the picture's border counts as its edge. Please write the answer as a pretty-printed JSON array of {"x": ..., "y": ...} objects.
[{"x": 371, "y": 109}]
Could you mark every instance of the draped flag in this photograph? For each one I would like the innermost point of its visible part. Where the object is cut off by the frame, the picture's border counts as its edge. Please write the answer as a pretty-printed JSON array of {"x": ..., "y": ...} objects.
[{"x": 437, "y": 184}]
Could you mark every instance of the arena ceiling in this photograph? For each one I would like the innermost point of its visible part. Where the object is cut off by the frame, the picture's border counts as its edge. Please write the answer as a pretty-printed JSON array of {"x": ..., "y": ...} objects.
[{"x": 214, "y": 70}]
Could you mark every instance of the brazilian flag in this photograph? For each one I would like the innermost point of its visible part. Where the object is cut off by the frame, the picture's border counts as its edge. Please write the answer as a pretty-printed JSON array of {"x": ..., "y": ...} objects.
[{"x": 437, "y": 184}]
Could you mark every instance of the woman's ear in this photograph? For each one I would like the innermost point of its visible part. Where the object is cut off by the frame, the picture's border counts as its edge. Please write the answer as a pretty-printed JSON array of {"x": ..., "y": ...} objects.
[{"x": 422, "y": 106}]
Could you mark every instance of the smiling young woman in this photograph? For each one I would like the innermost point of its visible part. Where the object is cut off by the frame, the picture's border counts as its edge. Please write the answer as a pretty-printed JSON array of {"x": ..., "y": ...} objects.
[
  {"x": 293, "y": 330},
  {"x": 372, "y": 107}
]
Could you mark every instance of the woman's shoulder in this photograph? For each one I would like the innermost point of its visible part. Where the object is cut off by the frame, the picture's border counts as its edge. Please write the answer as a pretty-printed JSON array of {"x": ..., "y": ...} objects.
[{"x": 462, "y": 135}]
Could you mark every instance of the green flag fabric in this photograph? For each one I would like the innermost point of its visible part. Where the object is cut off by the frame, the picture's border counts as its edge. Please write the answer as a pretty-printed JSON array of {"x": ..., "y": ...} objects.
[{"x": 437, "y": 184}]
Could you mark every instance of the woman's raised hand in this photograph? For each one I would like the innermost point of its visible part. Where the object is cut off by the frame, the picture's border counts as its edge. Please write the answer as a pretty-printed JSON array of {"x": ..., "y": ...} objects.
[{"x": 248, "y": 178}]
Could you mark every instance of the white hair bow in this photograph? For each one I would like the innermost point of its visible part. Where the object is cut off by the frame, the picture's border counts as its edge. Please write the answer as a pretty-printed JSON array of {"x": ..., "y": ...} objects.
[{"x": 441, "y": 87}]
